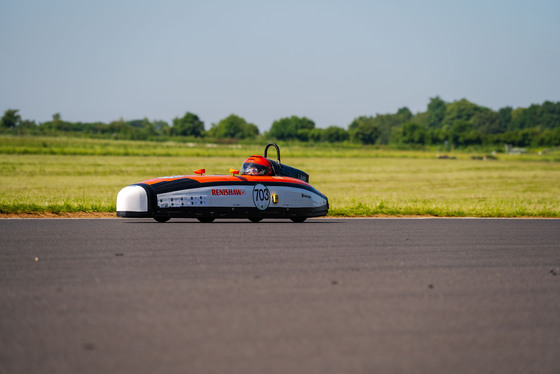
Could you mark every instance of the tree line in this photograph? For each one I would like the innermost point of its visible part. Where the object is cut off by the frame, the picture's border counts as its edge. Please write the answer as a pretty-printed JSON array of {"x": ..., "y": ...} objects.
[{"x": 460, "y": 123}]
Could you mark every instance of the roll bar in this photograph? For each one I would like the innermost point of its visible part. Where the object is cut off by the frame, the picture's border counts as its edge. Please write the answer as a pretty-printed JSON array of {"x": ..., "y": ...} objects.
[{"x": 277, "y": 151}]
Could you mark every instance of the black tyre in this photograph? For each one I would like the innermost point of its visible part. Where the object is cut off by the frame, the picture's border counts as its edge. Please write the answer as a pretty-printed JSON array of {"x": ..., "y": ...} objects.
[
  {"x": 162, "y": 219},
  {"x": 298, "y": 219},
  {"x": 206, "y": 219}
]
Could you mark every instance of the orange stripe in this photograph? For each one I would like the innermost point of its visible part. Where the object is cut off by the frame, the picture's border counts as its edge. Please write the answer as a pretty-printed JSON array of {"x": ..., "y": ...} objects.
[{"x": 227, "y": 178}]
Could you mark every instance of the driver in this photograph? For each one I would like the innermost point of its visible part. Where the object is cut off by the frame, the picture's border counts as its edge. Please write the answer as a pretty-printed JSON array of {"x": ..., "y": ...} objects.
[{"x": 256, "y": 165}]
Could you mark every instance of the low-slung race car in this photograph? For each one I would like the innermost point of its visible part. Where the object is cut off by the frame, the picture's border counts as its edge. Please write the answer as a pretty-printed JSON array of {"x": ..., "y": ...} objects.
[{"x": 263, "y": 188}]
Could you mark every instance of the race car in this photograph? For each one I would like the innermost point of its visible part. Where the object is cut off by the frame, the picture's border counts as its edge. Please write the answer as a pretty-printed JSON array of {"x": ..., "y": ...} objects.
[{"x": 262, "y": 188}]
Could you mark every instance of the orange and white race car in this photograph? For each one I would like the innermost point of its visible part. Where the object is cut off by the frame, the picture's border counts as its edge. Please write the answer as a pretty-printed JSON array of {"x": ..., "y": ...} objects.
[{"x": 263, "y": 188}]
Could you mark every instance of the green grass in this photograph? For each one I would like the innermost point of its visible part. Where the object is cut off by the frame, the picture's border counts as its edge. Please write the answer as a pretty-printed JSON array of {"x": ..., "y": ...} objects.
[
  {"x": 435, "y": 187},
  {"x": 22, "y": 145},
  {"x": 381, "y": 182}
]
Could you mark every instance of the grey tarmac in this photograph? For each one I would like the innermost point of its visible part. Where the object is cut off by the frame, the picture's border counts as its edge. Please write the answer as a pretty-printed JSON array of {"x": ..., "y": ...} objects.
[{"x": 324, "y": 296}]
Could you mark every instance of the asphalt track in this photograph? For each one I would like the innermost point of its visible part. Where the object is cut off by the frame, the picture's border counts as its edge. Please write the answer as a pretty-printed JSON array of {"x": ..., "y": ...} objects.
[{"x": 325, "y": 296}]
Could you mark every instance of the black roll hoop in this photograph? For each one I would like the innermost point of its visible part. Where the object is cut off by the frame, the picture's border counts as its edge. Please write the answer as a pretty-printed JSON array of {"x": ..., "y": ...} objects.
[{"x": 277, "y": 151}]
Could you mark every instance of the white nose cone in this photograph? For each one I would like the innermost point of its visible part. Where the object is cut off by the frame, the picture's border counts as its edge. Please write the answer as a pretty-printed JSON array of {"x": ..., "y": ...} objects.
[{"x": 132, "y": 199}]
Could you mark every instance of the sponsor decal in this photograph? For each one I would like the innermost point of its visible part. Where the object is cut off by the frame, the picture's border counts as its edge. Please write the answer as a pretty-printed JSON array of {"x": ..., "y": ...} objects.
[
  {"x": 306, "y": 196},
  {"x": 261, "y": 196},
  {"x": 228, "y": 192},
  {"x": 182, "y": 201}
]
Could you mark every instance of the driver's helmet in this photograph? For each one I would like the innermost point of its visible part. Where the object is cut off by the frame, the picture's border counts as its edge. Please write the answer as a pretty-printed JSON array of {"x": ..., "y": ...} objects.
[{"x": 256, "y": 165}]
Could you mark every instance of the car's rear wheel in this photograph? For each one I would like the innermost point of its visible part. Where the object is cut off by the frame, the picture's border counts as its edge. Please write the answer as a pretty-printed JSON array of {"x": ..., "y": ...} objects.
[{"x": 162, "y": 219}]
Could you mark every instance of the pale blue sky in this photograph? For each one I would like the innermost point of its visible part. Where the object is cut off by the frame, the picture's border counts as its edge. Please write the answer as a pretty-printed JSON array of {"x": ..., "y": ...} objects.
[{"x": 330, "y": 61}]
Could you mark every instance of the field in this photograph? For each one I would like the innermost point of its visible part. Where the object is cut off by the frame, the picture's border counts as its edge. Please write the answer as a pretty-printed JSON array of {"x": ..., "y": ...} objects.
[{"x": 59, "y": 175}]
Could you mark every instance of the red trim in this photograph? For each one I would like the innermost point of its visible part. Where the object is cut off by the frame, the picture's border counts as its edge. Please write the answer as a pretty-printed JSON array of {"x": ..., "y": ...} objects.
[{"x": 227, "y": 178}]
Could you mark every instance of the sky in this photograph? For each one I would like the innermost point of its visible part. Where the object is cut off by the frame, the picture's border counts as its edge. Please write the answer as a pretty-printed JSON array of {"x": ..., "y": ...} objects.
[{"x": 328, "y": 60}]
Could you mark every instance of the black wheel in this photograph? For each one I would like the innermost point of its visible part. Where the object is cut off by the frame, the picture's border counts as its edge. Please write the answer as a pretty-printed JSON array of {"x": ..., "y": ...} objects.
[
  {"x": 206, "y": 219},
  {"x": 255, "y": 219},
  {"x": 298, "y": 219},
  {"x": 162, "y": 219}
]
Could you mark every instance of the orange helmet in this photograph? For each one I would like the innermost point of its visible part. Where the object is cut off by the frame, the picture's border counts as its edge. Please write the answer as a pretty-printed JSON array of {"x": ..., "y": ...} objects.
[{"x": 256, "y": 165}]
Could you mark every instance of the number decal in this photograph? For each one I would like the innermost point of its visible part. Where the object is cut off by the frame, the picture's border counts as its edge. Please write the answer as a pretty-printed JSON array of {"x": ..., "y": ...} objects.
[{"x": 261, "y": 196}]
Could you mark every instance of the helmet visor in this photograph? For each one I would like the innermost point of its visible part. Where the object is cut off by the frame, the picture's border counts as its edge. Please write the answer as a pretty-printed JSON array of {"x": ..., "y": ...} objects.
[{"x": 250, "y": 168}]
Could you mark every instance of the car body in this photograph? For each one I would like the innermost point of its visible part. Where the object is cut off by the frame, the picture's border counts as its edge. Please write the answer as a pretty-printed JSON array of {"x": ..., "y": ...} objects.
[{"x": 285, "y": 193}]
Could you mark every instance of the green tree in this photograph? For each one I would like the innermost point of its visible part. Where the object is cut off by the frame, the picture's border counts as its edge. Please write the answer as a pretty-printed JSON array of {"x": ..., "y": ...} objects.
[
  {"x": 436, "y": 112},
  {"x": 364, "y": 130},
  {"x": 404, "y": 114},
  {"x": 524, "y": 118},
  {"x": 413, "y": 133},
  {"x": 386, "y": 122},
  {"x": 486, "y": 122},
  {"x": 356, "y": 122},
  {"x": 137, "y": 123},
  {"x": 316, "y": 135},
  {"x": 291, "y": 128},
  {"x": 58, "y": 124},
  {"x": 10, "y": 119},
  {"x": 250, "y": 131},
  {"x": 147, "y": 130},
  {"x": 462, "y": 134},
  {"x": 304, "y": 134},
  {"x": 188, "y": 125},
  {"x": 523, "y": 137},
  {"x": 27, "y": 125},
  {"x": 335, "y": 134},
  {"x": 550, "y": 138},
  {"x": 461, "y": 110},
  {"x": 161, "y": 127},
  {"x": 517, "y": 116},
  {"x": 438, "y": 136},
  {"x": 546, "y": 116},
  {"x": 549, "y": 115},
  {"x": 234, "y": 127},
  {"x": 505, "y": 118},
  {"x": 120, "y": 129}
]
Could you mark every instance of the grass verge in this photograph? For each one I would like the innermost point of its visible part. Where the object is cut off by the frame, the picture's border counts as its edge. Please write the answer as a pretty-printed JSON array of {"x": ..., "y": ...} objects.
[{"x": 83, "y": 177}]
